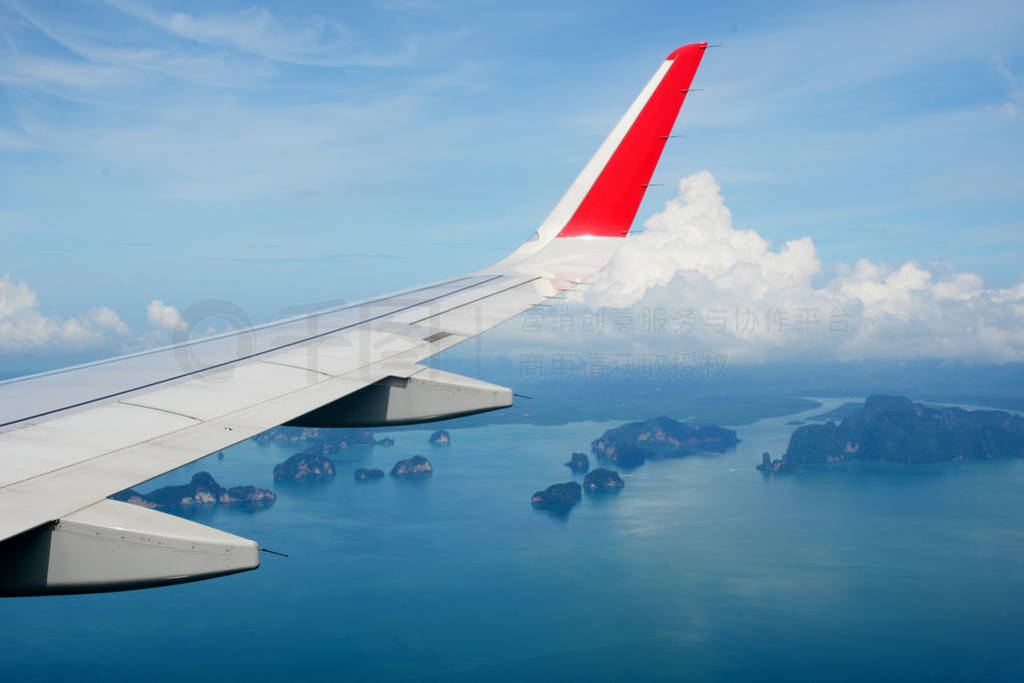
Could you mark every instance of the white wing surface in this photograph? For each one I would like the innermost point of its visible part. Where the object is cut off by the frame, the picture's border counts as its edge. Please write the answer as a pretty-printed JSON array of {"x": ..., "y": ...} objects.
[{"x": 70, "y": 438}]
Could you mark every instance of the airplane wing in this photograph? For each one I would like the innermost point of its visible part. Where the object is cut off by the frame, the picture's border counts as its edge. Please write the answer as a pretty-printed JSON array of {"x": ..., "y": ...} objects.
[{"x": 73, "y": 437}]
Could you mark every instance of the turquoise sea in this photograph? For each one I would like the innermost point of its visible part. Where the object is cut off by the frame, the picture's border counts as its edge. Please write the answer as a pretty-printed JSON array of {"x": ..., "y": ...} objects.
[{"x": 700, "y": 569}]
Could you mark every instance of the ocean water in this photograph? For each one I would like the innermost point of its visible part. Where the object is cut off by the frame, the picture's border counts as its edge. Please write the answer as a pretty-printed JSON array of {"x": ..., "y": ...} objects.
[{"x": 701, "y": 568}]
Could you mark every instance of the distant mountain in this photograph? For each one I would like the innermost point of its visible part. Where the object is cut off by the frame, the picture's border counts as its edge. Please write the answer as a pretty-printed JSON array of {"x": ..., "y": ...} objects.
[
  {"x": 631, "y": 444},
  {"x": 837, "y": 413},
  {"x": 894, "y": 429}
]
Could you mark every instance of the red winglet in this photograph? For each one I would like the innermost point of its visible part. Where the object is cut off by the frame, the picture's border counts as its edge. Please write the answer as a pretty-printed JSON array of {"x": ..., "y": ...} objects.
[{"x": 609, "y": 207}]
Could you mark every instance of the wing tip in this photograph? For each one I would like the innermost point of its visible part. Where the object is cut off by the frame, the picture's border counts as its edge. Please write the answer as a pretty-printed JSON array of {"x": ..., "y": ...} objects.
[{"x": 686, "y": 48}]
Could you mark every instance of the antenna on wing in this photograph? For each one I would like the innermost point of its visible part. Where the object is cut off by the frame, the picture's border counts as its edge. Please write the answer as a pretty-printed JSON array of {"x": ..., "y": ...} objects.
[{"x": 272, "y": 552}]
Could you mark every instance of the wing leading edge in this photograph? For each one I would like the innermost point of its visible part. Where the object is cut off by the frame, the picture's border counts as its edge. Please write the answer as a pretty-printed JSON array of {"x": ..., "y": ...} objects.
[{"x": 70, "y": 438}]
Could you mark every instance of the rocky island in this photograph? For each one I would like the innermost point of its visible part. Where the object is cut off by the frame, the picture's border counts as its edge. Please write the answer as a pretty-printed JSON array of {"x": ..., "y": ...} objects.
[
  {"x": 631, "y": 444},
  {"x": 416, "y": 466},
  {"x": 558, "y": 497},
  {"x": 602, "y": 481},
  {"x": 440, "y": 438},
  {"x": 895, "y": 430},
  {"x": 202, "y": 490},
  {"x": 768, "y": 465},
  {"x": 307, "y": 464},
  {"x": 578, "y": 463},
  {"x": 363, "y": 474}
]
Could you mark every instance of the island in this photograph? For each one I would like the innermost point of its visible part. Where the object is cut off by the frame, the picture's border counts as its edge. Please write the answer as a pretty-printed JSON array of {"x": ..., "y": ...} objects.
[
  {"x": 363, "y": 474},
  {"x": 202, "y": 490},
  {"x": 631, "y": 444},
  {"x": 768, "y": 465},
  {"x": 305, "y": 465},
  {"x": 578, "y": 463},
  {"x": 416, "y": 466},
  {"x": 440, "y": 438},
  {"x": 386, "y": 441},
  {"x": 892, "y": 429},
  {"x": 602, "y": 481},
  {"x": 320, "y": 440},
  {"x": 558, "y": 497}
]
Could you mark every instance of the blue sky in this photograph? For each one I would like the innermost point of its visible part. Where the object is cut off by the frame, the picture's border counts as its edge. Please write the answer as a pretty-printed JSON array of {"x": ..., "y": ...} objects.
[{"x": 274, "y": 155}]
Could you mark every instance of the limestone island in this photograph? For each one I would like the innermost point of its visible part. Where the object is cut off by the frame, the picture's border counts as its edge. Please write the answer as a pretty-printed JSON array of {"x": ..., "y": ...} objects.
[
  {"x": 601, "y": 480},
  {"x": 558, "y": 497},
  {"x": 416, "y": 466},
  {"x": 440, "y": 438},
  {"x": 305, "y": 465},
  {"x": 202, "y": 490},
  {"x": 386, "y": 441},
  {"x": 891, "y": 429},
  {"x": 578, "y": 463},
  {"x": 363, "y": 474},
  {"x": 631, "y": 444},
  {"x": 768, "y": 465}
]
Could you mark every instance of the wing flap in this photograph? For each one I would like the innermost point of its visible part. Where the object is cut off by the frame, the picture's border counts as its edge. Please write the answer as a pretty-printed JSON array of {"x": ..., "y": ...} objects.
[
  {"x": 117, "y": 546},
  {"x": 40, "y": 499},
  {"x": 35, "y": 450}
]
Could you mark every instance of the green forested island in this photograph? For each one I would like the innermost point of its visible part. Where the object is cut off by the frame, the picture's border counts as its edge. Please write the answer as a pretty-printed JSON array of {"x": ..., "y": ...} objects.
[
  {"x": 894, "y": 429},
  {"x": 202, "y": 490},
  {"x": 631, "y": 444}
]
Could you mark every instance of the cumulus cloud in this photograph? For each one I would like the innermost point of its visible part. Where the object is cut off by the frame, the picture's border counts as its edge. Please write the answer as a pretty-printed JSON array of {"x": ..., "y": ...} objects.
[
  {"x": 694, "y": 280},
  {"x": 25, "y": 328},
  {"x": 165, "y": 317},
  {"x": 690, "y": 282}
]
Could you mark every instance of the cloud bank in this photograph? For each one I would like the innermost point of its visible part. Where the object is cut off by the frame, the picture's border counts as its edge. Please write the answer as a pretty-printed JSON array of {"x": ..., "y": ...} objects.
[
  {"x": 715, "y": 286},
  {"x": 690, "y": 282},
  {"x": 26, "y": 329}
]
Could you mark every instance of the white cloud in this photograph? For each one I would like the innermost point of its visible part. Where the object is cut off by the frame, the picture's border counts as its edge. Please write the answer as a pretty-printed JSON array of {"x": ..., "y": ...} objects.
[
  {"x": 723, "y": 289},
  {"x": 1016, "y": 89},
  {"x": 162, "y": 316},
  {"x": 44, "y": 71},
  {"x": 25, "y": 328},
  {"x": 713, "y": 287}
]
